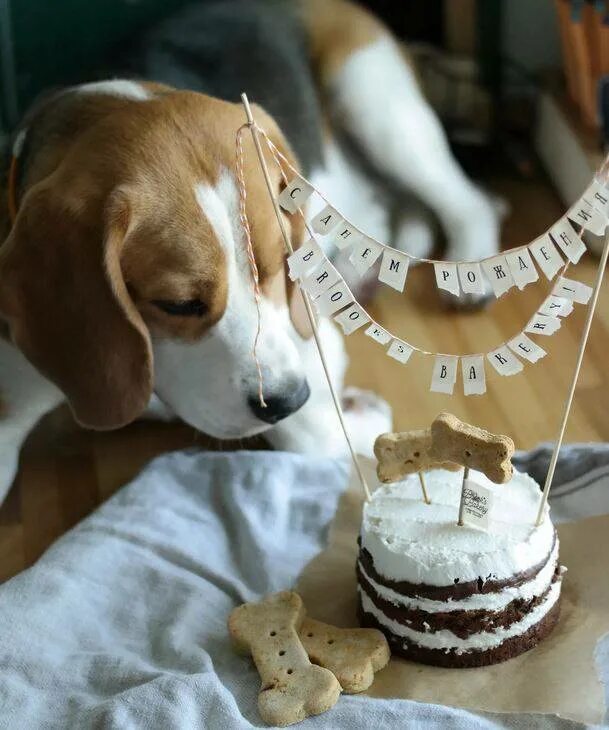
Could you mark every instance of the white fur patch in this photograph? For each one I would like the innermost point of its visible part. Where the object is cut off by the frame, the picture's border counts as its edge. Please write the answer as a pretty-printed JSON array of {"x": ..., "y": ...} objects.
[
  {"x": 26, "y": 397},
  {"x": 208, "y": 383},
  {"x": 116, "y": 87},
  {"x": 401, "y": 135}
]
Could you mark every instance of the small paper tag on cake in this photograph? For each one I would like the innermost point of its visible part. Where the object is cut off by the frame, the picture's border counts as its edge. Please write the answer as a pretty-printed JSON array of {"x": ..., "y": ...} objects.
[{"x": 477, "y": 503}]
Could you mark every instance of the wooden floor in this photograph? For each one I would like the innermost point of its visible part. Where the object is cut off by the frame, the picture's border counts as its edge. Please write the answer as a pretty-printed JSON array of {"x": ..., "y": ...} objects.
[{"x": 66, "y": 472}]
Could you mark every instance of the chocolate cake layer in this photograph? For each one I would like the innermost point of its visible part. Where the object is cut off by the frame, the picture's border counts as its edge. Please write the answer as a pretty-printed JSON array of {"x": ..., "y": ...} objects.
[
  {"x": 456, "y": 590},
  {"x": 510, "y": 648},
  {"x": 462, "y": 623}
]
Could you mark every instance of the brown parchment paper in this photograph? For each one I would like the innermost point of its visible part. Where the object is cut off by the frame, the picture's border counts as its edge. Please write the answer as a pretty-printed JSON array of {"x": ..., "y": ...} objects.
[{"x": 558, "y": 676}]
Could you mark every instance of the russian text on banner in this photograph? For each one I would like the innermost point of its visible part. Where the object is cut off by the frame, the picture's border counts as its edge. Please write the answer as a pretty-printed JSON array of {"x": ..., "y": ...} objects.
[
  {"x": 444, "y": 374},
  {"x": 295, "y": 195}
]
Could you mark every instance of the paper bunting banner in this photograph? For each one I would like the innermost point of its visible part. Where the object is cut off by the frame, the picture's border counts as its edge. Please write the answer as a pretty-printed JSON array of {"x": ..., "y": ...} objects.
[
  {"x": 323, "y": 276},
  {"x": 394, "y": 268},
  {"x": 330, "y": 295},
  {"x": 365, "y": 253},
  {"x": 352, "y": 318},
  {"x": 444, "y": 375},
  {"x": 378, "y": 333},
  {"x": 522, "y": 267},
  {"x": 326, "y": 221},
  {"x": 498, "y": 273},
  {"x": 295, "y": 195},
  {"x": 446, "y": 277},
  {"x": 504, "y": 361},
  {"x": 345, "y": 235},
  {"x": 546, "y": 255},
  {"x": 474, "y": 380},
  {"x": 586, "y": 215},
  {"x": 573, "y": 290},
  {"x": 556, "y": 306},
  {"x": 335, "y": 298},
  {"x": 526, "y": 348},
  {"x": 598, "y": 195},
  {"x": 304, "y": 259},
  {"x": 471, "y": 279},
  {"x": 567, "y": 239},
  {"x": 511, "y": 268},
  {"x": 400, "y": 351},
  {"x": 541, "y": 324},
  {"x": 516, "y": 268}
]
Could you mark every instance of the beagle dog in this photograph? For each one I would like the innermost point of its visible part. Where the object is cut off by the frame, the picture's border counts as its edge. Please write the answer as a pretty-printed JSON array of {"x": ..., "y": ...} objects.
[{"x": 124, "y": 274}]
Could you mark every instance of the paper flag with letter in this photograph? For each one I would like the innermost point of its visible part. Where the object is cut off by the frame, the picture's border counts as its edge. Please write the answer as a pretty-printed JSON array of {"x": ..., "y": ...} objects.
[
  {"x": 352, "y": 318},
  {"x": 304, "y": 259},
  {"x": 444, "y": 374},
  {"x": 365, "y": 253},
  {"x": 573, "y": 290},
  {"x": 295, "y": 194},
  {"x": 394, "y": 268},
  {"x": 498, "y": 273},
  {"x": 321, "y": 279},
  {"x": 504, "y": 361},
  {"x": 474, "y": 379},
  {"x": 326, "y": 221},
  {"x": 335, "y": 298},
  {"x": 446, "y": 277}
]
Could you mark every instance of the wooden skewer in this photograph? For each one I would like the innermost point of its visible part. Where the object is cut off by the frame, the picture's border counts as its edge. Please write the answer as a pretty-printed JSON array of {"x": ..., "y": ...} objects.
[
  {"x": 462, "y": 501},
  {"x": 307, "y": 303},
  {"x": 580, "y": 356},
  {"x": 423, "y": 488}
]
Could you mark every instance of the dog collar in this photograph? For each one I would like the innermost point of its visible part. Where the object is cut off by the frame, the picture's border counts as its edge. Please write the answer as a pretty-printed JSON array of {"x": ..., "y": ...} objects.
[{"x": 18, "y": 145}]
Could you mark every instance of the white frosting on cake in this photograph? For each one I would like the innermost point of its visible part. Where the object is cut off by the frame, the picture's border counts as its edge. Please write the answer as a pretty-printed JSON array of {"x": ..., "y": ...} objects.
[
  {"x": 420, "y": 543},
  {"x": 496, "y": 601},
  {"x": 446, "y": 640}
]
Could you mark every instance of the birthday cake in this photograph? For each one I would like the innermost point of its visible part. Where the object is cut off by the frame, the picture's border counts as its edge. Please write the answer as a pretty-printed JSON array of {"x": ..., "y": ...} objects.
[{"x": 456, "y": 595}]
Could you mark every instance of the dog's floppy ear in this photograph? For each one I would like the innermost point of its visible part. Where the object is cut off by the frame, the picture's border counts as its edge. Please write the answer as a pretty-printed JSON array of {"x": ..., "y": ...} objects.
[{"x": 68, "y": 309}]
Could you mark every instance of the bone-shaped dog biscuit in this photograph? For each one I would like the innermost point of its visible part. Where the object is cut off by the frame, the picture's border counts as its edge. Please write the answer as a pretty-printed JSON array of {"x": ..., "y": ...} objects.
[
  {"x": 406, "y": 452},
  {"x": 292, "y": 687},
  {"x": 472, "y": 447},
  {"x": 352, "y": 655}
]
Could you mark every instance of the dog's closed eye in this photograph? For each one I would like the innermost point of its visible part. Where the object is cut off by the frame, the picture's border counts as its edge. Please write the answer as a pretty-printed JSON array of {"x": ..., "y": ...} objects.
[{"x": 188, "y": 308}]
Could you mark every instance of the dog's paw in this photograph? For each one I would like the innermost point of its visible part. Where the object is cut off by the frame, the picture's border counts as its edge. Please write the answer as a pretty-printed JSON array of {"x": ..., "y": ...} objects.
[{"x": 366, "y": 416}]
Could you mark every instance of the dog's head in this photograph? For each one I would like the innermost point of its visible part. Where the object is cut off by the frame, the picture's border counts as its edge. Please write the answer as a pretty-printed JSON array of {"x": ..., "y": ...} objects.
[{"x": 127, "y": 270}]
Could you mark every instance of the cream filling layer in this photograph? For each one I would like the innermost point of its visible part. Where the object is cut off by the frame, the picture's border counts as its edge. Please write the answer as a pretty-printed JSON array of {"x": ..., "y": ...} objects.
[
  {"x": 479, "y": 601},
  {"x": 446, "y": 640}
]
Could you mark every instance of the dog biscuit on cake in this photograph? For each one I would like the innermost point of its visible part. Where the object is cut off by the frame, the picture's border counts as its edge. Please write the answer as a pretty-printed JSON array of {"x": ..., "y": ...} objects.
[
  {"x": 473, "y": 447},
  {"x": 292, "y": 687},
  {"x": 406, "y": 452}
]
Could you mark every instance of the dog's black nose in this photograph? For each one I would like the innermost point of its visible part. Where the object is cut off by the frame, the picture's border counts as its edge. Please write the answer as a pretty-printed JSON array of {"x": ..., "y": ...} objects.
[{"x": 281, "y": 406}]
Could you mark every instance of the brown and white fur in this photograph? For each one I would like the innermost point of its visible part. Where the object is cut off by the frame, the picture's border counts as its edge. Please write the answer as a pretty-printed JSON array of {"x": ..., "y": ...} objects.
[{"x": 128, "y": 199}]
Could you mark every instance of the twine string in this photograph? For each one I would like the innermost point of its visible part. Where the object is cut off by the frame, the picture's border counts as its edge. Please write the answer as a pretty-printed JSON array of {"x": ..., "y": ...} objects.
[{"x": 250, "y": 255}]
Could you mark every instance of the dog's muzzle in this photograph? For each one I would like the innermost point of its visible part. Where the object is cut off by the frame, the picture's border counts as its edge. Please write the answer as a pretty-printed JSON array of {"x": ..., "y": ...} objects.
[{"x": 281, "y": 406}]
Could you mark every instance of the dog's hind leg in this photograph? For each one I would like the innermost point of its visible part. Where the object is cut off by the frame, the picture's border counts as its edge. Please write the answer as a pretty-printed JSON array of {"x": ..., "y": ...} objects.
[
  {"x": 25, "y": 396},
  {"x": 373, "y": 95}
]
